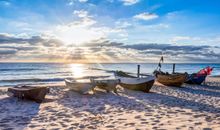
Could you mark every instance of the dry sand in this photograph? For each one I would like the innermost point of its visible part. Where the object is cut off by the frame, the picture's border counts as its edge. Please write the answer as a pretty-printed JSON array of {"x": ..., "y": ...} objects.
[{"x": 191, "y": 107}]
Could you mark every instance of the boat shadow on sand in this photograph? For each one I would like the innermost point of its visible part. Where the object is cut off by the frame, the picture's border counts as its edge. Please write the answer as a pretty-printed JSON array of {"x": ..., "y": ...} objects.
[
  {"x": 16, "y": 113},
  {"x": 210, "y": 86},
  {"x": 203, "y": 90},
  {"x": 102, "y": 102}
]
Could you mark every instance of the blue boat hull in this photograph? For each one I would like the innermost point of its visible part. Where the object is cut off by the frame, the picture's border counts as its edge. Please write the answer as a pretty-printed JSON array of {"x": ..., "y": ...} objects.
[{"x": 194, "y": 79}]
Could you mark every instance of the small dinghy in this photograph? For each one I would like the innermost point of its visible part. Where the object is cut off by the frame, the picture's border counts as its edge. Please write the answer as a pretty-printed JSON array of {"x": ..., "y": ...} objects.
[
  {"x": 81, "y": 86},
  {"x": 199, "y": 78},
  {"x": 175, "y": 79},
  {"x": 29, "y": 92},
  {"x": 106, "y": 84},
  {"x": 135, "y": 83}
]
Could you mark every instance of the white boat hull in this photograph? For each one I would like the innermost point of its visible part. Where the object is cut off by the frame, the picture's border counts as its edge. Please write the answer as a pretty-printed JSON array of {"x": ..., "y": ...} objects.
[
  {"x": 106, "y": 84},
  {"x": 81, "y": 87},
  {"x": 140, "y": 84}
]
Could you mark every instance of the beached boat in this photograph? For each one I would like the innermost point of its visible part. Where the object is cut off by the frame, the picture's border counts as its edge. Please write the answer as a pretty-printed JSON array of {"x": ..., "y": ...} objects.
[
  {"x": 29, "y": 92},
  {"x": 195, "y": 79},
  {"x": 135, "y": 83},
  {"x": 81, "y": 86},
  {"x": 199, "y": 78},
  {"x": 175, "y": 79},
  {"x": 106, "y": 84}
]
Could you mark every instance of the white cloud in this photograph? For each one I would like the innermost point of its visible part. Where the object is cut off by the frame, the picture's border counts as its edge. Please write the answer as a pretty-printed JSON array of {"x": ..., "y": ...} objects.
[
  {"x": 146, "y": 16},
  {"x": 130, "y": 2},
  {"x": 5, "y": 3},
  {"x": 84, "y": 30},
  {"x": 81, "y": 13},
  {"x": 86, "y": 19},
  {"x": 71, "y": 2},
  {"x": 189, "y": 40},
  {"x": 180, "y": 38},
  {"x": 123, "y": 24},
  {"x": 83, "y": 1},
  {"x": 44, "y": 48}
]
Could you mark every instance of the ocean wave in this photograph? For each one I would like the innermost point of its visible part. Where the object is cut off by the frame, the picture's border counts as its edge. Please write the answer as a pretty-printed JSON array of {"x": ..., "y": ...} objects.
[
  {"x": 33, "y": 80},
  {"x": 19, "y": 69},
  {"x": 47, "y": 80}
]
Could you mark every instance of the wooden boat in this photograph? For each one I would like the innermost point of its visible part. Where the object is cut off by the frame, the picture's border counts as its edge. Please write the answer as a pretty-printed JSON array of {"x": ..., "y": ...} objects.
[
  {"x": 29, "y": 92},
  {"x": 175, "y": 79},
  {"x": 199, "y": 78},
  {"x": 81, "y": 86},
  {"x": 135, "y": 83},
  {"x": 106, "y": 84}
]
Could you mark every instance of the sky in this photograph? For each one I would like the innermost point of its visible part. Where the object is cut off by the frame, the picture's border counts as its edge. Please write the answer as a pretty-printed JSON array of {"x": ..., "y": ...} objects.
[{"x": 112, "y": 31}]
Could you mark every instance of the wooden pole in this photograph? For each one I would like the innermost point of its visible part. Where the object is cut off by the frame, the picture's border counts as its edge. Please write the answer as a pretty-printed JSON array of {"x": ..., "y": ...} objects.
[
  {"x": 138, "y": 71},
  {"x": 174, "y": 66}
]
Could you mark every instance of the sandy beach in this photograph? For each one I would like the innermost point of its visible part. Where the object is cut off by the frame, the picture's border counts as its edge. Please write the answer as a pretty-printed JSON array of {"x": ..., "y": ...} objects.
[{"x": 190, "y": 107}]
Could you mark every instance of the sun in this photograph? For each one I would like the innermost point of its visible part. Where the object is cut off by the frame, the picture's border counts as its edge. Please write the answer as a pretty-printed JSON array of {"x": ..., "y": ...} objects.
[
  {"x": 77, "y": 35},
  {"x": 77, "y": 70}
]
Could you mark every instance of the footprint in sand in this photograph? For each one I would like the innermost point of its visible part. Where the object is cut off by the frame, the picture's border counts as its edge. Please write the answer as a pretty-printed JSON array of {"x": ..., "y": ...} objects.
[
  {"x": 161, "y": 124},
  {"x": 66, "y": 120},
  {"x": 129, "y": 124},
  {"x": 144, "y": 122},
  {"x": 8, "y": 128},
  {"x": 75, "y": 124},
  {"x": 137, "y": 117},
  {"x": 207, "y": 129},
  {"x": 157, "y": 121},
  {"x": 198, "y": 123},
  {"x": 153, "y": 124},
  {"x": 143, "y": 119},
  {"x": 33, "y": 126},
  {"x": 147, "y": 114},
  {"x": 110, "y": 126},
  {"x": 122, "y": 119},
  {"x": 55, "y": 129},
  {"x": 91, "y": 127},
  {"x": 54, "y": 124}
]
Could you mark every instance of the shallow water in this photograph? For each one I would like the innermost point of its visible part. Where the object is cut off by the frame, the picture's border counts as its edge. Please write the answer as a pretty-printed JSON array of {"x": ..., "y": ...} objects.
[{"x": 35, "y": 73}]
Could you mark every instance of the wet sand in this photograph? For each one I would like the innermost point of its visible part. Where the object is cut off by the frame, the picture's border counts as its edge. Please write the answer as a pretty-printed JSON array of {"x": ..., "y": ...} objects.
[{"x": 190, "y": 107}]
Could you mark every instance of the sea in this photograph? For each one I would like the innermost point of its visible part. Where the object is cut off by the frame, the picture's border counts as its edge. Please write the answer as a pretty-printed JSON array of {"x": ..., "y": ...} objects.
[{"x": 12, "y": 74}]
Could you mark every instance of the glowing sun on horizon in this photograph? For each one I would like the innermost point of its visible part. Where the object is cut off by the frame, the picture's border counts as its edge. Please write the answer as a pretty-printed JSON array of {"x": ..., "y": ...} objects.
[
  {"x": 77, "y": 70},
  {"x": 77, "y": 35}
]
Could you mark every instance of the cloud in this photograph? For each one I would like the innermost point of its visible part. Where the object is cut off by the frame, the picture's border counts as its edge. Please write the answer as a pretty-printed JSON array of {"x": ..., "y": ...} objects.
[
  {"x": 85, "y": 29},
  {"x": 7, "y": 51},
  {"x": 188, "y": 40},
  {"x": 146, "y": 16},
  {"x": 181, "y": 53},
  {"x": 71, "y": 2},
  {"x": 81, "y": 13},
  {"x": 5, "y": 3},
  {"x": 33, "y": 40},
  {"x": 44, "y": 48},
  {"x": 130, "y": 2},
  {"x": 101, "y": 42},
  {"x": 179, "y": 38},
  {"x": 83, "y": 1}
]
